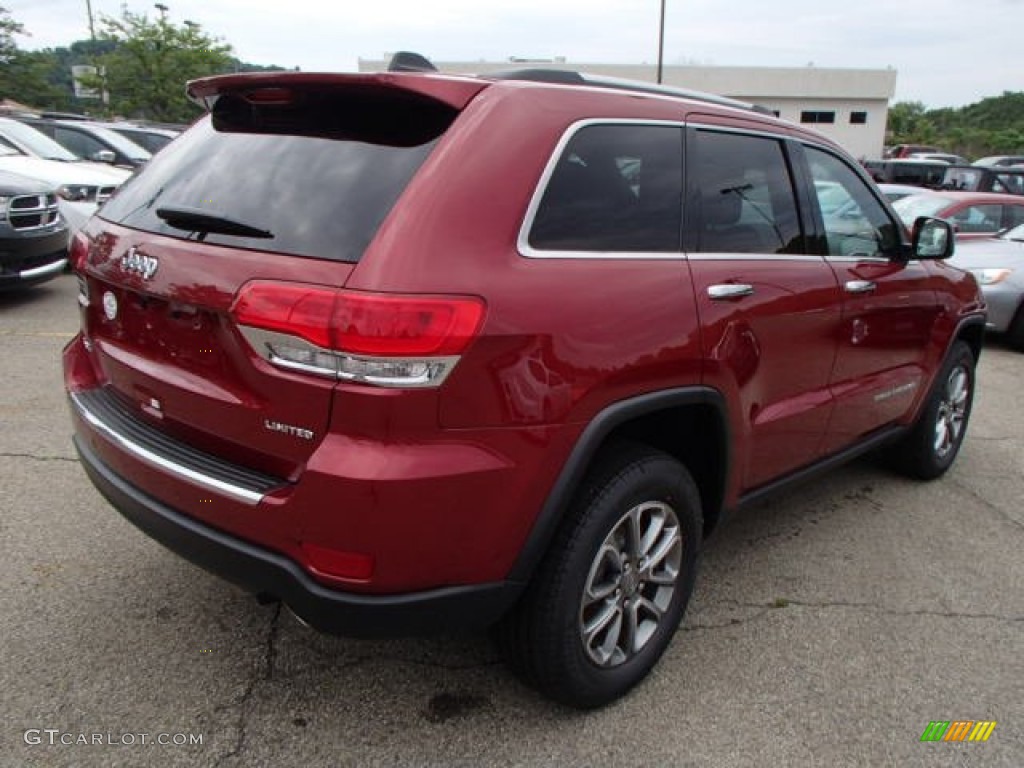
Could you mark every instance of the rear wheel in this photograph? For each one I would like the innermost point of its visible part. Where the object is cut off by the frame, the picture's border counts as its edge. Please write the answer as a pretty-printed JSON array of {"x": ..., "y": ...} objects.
[
  {"x": 613, "y": 587},
  {"x": 933, "y": 443}
]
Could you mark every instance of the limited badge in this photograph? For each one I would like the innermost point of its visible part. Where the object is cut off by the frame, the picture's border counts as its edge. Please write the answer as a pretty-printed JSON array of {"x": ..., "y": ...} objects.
[{"x": 109, "y": 305}]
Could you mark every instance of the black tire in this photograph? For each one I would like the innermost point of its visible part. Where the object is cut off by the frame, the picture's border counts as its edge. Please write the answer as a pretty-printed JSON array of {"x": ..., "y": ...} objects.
[
  {"x": 1015, "y": 333},
  {"x": 553, "y": 639},
  {"x": 931, "y": 446}
]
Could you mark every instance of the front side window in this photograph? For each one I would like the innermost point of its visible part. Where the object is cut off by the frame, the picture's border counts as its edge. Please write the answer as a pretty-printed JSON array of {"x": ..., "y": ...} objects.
[
  {"x": 744, "y": 193},
  {"x": 856, "y": 223},
  {"x": 615, "y": 188}
]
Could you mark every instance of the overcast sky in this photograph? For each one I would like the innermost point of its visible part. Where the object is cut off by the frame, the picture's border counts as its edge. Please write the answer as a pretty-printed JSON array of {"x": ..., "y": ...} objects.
[{"x": 946, "y": 52}]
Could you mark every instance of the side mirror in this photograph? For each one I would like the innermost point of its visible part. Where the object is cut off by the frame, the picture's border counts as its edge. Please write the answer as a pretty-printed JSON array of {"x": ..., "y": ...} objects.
[
  {"x": 932, "y": 238},
  {"x": 103, "y": 156}
]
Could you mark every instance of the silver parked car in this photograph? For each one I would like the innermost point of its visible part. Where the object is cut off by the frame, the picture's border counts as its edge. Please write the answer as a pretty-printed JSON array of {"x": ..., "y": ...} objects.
[{"x": 998, "y": 265}]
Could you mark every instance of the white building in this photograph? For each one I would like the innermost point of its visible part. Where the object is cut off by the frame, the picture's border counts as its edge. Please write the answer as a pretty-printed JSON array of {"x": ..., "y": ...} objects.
[{"x": 848, "y": 105}]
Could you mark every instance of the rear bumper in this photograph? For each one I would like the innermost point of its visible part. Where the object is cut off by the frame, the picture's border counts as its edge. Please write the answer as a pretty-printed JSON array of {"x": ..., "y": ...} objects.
[{"x": 265, "y": 572}]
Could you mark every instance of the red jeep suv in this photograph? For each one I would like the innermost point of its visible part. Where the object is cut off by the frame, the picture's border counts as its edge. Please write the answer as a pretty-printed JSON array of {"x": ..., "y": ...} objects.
[{"x": 412, "y": 352}]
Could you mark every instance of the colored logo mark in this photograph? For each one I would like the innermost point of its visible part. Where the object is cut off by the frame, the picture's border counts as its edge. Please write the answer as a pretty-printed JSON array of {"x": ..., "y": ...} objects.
[{"x": 958, "y": 730}]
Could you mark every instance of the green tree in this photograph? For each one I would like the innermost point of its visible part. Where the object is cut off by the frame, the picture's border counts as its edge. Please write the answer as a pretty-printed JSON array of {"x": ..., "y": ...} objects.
[
  {"x": 146, "y": 72},
  {"x": 8, "y": 29}
]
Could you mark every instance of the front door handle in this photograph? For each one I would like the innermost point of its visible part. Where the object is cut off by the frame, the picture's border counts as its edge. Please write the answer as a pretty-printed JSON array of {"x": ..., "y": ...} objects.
[
  {"x": 726, "y": 291},
  {"x": 859, "y": 286}
]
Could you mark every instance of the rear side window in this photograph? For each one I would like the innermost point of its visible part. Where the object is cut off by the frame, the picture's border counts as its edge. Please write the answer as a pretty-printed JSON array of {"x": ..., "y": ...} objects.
[
  {"x": 78, "y": 142},
  {"x": 317, "y": 181},
  {"x": 615, "y": 188},
  {"x": 744, "y": 193}
]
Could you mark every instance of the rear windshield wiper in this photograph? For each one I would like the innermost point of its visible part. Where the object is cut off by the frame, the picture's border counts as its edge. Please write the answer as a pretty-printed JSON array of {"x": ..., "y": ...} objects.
[{"x": 204, "y": 223}]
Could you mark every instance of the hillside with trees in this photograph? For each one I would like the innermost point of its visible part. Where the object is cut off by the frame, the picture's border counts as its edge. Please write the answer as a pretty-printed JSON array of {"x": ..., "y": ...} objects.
[
  {"x": 992, "y": 126},
  {"x": 145, "y": 63}
]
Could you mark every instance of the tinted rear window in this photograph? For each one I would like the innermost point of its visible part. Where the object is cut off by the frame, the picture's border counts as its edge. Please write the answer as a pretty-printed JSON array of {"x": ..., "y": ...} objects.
[
  {"x": 320, "y": 192},
  {"x": 615, "y": 188}
]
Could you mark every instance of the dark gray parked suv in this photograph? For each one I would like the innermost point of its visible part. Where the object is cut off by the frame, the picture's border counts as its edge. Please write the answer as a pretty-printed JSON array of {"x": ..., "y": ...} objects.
[{"x": 33, "y": 235}]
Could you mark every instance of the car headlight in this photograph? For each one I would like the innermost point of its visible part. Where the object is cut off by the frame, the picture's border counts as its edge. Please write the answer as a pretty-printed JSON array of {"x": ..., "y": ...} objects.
[
  {"x": 75, "y": 192},
  {"x": 3, "y": 207},
  {"x": 991, "y": 276}
]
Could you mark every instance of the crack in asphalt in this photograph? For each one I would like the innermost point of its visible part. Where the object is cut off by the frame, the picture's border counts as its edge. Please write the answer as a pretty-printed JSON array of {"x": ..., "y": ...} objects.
[
  {"x": 782, "y": 603},
  {"x": 261, "y": 673},
  {"x": 986, "y": 503},
  {"x": 35, "y": 457}
]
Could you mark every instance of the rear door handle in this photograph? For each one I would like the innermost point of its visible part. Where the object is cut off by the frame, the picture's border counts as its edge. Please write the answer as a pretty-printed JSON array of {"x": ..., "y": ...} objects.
[
  {"x": 859, "y": 286},
  {"x": 726, "y": 291}
]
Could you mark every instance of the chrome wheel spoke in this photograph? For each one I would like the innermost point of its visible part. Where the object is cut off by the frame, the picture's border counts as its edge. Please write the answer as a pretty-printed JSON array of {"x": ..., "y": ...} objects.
[
  {"x": 634, "y": 534},
  {"x": 601, "y": 620},
  {"x": 605, "y": 574},
  {"x": 603, "y": 644},
  {"x": 655, "y": 523},
  {"x": 629, "y": 644},
  {"x": 659, "y": 563}
]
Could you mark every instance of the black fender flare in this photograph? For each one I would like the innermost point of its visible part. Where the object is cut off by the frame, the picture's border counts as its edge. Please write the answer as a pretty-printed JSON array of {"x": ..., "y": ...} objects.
[{"x": 586, "y": 448}]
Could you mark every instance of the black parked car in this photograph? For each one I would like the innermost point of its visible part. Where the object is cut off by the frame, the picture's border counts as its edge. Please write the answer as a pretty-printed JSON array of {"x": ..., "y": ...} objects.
[{"x": 33, "y": 235}]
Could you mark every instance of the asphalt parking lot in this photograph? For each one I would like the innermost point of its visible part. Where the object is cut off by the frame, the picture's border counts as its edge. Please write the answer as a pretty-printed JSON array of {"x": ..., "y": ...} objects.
[{"x": 829, "y": 626}]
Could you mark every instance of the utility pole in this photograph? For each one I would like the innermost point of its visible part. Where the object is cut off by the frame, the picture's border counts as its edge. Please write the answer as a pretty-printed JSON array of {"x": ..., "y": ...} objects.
[
  {"x": 661, "y": 40},
  {"x": 92, "y": 28}
]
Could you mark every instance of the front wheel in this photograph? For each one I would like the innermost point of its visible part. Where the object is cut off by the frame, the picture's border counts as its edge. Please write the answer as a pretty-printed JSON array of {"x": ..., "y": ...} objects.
[
  {"x": 612, "y": 589},
  {"x": 930, "y": 447}
]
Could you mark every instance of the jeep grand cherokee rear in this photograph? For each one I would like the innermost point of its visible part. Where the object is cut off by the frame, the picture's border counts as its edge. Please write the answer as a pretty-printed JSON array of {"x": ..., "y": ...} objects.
[{"x": 412, "y": 352}]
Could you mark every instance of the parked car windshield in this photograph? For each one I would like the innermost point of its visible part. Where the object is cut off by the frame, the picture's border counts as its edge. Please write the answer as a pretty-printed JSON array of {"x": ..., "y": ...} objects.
[
  {"x": 37, "y": 142},
  {"x": 910, "y": 208}
]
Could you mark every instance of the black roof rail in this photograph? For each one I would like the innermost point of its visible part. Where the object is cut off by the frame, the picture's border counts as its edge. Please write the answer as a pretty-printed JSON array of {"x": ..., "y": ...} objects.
[{"x": 571, "y": 77}]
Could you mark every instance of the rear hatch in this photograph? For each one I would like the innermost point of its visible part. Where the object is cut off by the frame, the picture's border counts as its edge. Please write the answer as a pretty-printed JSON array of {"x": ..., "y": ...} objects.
[{"x": 285, "y": 183}]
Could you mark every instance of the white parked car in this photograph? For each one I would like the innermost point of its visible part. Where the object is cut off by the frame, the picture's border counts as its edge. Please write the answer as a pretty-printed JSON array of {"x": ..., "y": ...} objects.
[{"x": 82, "y": 187}]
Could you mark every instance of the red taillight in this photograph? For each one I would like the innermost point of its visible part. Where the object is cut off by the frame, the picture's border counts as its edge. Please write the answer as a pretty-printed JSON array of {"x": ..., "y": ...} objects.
[
  {"x": 290, "y": 308},
  {"x": 405, "y": 326},
  {"x": 79, "y": 251},
  {"x": 373, "y": 325}
]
